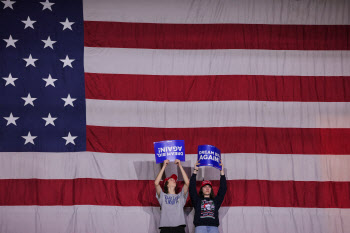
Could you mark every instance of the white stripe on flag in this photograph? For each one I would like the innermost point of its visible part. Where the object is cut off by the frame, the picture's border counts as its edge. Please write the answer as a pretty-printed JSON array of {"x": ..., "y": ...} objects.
[
  {"x": 312, "y": 12},
  {"x": 217, "y": 114},
  {"x": 143, "y": 167},
  {"x": 216, "y": 62},
  {"x": 109, "y": 219}
]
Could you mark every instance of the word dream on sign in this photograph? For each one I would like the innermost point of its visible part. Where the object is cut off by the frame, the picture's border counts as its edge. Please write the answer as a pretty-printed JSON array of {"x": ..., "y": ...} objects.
[
  {"x": 209, "y": 155},
  {"x": 171, "y": 149}
]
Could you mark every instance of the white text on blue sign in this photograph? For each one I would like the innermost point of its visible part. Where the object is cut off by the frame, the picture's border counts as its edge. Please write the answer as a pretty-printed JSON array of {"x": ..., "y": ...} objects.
[
  {"x": 170, "y": 151},
  {"x": 211, "y": 155}
]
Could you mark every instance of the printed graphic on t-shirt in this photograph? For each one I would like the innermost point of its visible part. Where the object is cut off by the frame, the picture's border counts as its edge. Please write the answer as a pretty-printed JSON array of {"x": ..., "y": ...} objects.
[
  {"x": 207, "y": 209},
  {"x": 171, "y": 200}
]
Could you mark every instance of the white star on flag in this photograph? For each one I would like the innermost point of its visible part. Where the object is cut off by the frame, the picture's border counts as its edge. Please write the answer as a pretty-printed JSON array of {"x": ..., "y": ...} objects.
[
  {"x": 49, "y": 120},
  {"x": 30, "y": 60},
  {"x": 10, "y": 42},
  {"x": 10, "y": 80},
  {"x": 28, "y": 23},
  {"x": 29, "y": 138},
  {"x": 67, "y": 61},
  {"x": 11, "y": 119},
  {"x": 67, "y": 24},
  {"x": 70, "y": 139},
  {"x": 47, "y": 5},
  {"x": 50, "y": 81},
  {"x": 8, "y": 3},
  {"x": 28, "y": 100},
  {"x": 48, "y": 42},
  {"x": 68, "y": 101}
]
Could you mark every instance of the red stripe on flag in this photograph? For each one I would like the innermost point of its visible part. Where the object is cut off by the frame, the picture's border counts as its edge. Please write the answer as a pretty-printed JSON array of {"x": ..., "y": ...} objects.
[
  {"x": 216, "y": 36},
  {"x": 142, "y": 193},
  {"x": 227, "y": 139},
  {"x": 216, "y": 88}
]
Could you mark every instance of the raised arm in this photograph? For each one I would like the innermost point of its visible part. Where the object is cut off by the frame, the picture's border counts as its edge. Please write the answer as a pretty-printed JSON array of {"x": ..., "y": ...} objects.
[
  {"x": 184, "y": 175},
  {"x": 193, "y": 191},
  {"x": 223, "y": 187},
  {"x": 222, "y": 168},
  {"x": 159, "y": 177}
]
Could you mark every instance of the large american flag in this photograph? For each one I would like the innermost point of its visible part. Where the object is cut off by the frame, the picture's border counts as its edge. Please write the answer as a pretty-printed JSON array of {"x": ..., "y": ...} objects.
[{"x": 87, "y": 86}]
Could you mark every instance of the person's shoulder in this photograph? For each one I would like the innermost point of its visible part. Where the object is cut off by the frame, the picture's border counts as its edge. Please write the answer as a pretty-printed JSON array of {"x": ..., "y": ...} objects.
[
  {"x": 181, "y": 192},
  {"x": 161, "y": 193}
]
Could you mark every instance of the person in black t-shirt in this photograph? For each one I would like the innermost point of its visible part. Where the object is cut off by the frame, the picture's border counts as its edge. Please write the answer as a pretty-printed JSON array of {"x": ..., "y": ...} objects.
[{"x": 206, "y": 205}]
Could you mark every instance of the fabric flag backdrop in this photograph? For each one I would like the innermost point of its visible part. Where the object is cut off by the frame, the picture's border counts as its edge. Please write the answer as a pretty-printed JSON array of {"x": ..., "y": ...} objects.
[{"x": 267, "y": 82}]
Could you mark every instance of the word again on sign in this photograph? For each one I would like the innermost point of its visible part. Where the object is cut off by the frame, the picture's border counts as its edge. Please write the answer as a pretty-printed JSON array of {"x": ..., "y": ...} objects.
[
  {"x": 209, "y": 155},
  {"x": 171, "y": 149}
]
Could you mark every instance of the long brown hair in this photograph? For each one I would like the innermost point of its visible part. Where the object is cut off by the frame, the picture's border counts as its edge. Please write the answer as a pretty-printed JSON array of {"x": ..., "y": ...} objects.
[
  {"x": 166, "y": 189},
  {"x": 201, "y": 194}
]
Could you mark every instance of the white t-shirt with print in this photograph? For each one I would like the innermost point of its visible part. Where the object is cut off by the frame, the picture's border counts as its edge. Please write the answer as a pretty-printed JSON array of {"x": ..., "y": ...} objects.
[{"x": 172, "y": 212}]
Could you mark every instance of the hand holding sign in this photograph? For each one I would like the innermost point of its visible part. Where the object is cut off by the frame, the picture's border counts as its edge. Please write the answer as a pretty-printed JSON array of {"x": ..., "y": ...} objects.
[
  {"x": 196, "y": 166},
  {"x": 165, "y": 163},
  {"x": 169, "y": 150},
  {"x": 178, "y": 162},
  {"x": 209, "y": 155},
  {"x": 222, "y": 167}
]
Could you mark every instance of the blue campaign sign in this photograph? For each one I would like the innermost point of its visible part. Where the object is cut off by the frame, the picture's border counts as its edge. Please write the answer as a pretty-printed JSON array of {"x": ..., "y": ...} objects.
[
  {"x": 171, "y": 149},
  {"x": 209, "y": 155}
]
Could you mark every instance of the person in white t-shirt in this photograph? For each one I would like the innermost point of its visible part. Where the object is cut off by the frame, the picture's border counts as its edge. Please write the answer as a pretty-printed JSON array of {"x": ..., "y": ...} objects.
[{"x": 172, "y": 218}]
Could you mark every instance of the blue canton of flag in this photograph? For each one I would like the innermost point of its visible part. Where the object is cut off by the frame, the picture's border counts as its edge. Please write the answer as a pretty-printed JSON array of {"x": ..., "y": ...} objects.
[{"x": 42, "y": 94}]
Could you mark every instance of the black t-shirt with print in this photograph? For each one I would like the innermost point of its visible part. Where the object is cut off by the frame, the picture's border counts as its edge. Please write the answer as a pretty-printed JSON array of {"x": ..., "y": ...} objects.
[{"x": 206, "y": 209}]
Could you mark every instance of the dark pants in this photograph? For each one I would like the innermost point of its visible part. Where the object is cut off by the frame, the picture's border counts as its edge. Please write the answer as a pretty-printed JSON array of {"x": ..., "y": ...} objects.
[{"x": 179, "y": 229}]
